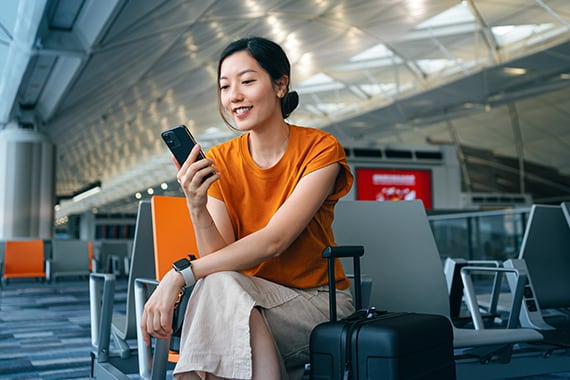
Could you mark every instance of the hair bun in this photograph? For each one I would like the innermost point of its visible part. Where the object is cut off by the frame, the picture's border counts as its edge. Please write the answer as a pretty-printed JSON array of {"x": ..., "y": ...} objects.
[{"x": 288, "y": 104}]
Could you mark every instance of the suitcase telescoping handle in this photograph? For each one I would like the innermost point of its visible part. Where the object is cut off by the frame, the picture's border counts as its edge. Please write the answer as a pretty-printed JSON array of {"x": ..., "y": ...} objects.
[{"x": 330, "y": 253}]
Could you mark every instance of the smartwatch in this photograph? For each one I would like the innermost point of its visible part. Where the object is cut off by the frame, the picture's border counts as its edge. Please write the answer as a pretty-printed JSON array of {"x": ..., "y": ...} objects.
[{"x": 184, "y": 267}]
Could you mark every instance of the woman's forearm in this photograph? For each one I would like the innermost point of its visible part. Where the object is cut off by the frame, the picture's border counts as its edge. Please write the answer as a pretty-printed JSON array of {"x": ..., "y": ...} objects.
[
  {"x": 242, "y": 254},
  {"x": 208, "y": 237}
]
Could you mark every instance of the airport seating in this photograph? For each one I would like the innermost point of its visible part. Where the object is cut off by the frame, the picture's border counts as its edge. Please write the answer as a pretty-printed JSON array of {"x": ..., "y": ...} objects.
[
  {"x": 106, "y": 324},
  {"x": 92, "y": 263},
  {"x": 113, "y": 256},
  {"x": 174, "y": 238},
  {"x": 2, "y": 246},
  {"x": 23, "y": 259},
  {"x": 545, "y": 253},
  {"x": 489, "y": 302},
  {"x": 566, "y": 210},
  {"x": 69, "y": 258},
  {"x": 407, "y": 274}
]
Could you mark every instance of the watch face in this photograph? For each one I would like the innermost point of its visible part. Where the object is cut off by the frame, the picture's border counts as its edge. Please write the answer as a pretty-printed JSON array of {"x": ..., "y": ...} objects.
[{"x": 181, "y": 264}]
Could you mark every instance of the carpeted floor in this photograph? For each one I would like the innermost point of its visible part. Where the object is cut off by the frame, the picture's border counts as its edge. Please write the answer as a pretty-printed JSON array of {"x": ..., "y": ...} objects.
[{"x": 45, "y": 329}]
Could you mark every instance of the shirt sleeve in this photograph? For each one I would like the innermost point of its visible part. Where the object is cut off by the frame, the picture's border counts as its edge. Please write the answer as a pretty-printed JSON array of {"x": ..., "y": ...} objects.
[{"x": 325, "y": 152}]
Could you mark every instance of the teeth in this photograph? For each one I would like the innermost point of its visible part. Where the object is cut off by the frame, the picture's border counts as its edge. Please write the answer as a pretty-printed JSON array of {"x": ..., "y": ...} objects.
[{"x": 242, "y": 110}]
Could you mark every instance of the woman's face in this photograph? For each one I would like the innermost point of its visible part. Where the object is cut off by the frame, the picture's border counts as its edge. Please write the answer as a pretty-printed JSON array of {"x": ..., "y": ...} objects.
[{"x": 247, "y": 93}]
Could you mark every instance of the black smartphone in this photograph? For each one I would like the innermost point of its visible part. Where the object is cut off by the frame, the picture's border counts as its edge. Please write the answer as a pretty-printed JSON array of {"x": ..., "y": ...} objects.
[{"x": 180, "y": 142}]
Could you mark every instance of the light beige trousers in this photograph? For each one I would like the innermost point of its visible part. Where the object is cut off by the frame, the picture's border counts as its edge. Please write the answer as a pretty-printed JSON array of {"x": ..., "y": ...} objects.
[{"x": 215, "y": 337}]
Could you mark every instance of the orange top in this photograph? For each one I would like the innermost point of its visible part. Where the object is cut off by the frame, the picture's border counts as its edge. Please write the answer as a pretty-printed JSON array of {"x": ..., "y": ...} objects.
[{"x": 252, "y": 195}]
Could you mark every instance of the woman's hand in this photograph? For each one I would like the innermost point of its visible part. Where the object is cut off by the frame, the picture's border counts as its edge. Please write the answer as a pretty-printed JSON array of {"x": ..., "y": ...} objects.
[
  {"x": 158, "y": 310},
  {"x": 195, "y": 177}
]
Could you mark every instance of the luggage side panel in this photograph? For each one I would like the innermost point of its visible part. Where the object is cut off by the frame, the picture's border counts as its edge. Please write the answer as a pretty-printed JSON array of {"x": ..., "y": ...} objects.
[
  {"x": 328, "y": 350},
  {"x": 405, "y": 346}
]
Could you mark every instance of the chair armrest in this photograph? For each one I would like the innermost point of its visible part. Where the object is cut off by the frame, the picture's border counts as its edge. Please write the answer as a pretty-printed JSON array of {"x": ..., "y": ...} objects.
[
  {"x": 49, "y": 270},
  {"x": 151, "y": 365},
  {"x": 471, "y": 298},
  {"x": 366, "y": 284},
  {"x": 452, "y": 268},
  {"x": 101, "y": 295}
]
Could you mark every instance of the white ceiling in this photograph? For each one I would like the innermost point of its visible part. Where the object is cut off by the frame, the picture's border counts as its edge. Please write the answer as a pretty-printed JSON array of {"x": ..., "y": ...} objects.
[{"x": 103, "y": 77}]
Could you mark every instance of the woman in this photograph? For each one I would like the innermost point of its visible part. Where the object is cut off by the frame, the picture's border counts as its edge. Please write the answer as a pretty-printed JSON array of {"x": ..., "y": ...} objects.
[{"x": 262, "y": 209}]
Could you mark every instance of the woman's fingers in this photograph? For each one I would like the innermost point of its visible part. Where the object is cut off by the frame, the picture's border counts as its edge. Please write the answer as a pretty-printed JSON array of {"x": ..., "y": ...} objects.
[{"x": 157, "y": 324}]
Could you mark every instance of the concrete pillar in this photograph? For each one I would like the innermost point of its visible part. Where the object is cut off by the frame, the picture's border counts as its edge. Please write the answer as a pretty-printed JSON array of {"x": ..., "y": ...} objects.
[{"x": 27, "y": 184}]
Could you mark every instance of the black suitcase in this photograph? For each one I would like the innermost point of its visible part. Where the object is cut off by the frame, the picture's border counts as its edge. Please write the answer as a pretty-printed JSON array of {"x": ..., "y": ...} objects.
[{"x": 379, "y": 345}]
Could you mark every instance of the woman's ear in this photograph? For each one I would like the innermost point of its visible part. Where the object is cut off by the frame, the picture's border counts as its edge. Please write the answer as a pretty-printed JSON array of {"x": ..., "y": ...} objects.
[{"x": 282, "y": 85}]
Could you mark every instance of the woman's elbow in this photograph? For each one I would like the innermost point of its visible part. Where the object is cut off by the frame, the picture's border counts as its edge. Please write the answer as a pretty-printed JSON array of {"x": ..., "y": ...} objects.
[
  {"x": 276, "y": 240},
  {"x": 276, "y": 246}
]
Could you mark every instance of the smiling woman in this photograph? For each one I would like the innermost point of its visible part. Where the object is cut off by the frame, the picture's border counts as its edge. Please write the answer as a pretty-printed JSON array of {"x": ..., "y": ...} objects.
[{"x": 261, "y": 221}]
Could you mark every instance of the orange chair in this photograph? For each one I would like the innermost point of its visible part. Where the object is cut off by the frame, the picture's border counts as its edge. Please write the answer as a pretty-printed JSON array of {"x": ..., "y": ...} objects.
[
  {"x": 24, "y": 258},
  {"x": 173, "y": 232},
  {"x": 174, "y": 238},
  {"x": 90, "y": 250}
]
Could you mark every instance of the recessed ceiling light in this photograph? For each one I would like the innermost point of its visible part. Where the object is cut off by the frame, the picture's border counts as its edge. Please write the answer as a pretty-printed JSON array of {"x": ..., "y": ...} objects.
[{"x": 514, "y": 70}]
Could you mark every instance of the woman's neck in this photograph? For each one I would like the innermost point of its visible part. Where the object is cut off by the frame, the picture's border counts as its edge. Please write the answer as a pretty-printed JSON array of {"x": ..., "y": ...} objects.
[{"x": 267, "y": 146}]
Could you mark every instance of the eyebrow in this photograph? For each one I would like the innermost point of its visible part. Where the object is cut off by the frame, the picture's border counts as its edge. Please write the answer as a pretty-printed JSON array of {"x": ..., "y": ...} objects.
[{"x": 242, "y": 73}]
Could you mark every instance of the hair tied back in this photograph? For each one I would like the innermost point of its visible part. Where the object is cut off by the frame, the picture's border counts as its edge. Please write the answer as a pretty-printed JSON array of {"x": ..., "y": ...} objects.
[{"x": 288, "y": 104}]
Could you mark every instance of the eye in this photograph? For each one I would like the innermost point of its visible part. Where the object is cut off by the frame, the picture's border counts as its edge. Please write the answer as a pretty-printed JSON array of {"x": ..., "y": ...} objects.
[
  {"x": 248, "y": 81},
  {"x": 224, "y": 87}
]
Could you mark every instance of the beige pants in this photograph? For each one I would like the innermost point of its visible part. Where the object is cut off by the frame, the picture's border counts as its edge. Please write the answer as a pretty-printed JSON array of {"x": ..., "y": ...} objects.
[{"x": 215, "y": 337}]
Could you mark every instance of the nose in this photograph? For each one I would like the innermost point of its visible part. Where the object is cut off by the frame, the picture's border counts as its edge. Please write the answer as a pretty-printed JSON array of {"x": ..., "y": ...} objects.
[{"x": 235, "y": 94}]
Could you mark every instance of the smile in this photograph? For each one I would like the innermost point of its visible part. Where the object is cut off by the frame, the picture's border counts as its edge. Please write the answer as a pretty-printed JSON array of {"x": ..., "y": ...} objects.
[{"x": 242, "y": 110}]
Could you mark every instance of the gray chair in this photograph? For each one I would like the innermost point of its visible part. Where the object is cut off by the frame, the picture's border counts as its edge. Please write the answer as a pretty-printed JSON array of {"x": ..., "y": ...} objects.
[
  {"x": 121, "y": 327},
  {"x": 402, "y": 259},
  {"x": 566, "y": 211},
  {"x": 113, "y": 256},
  {"x": 2, "y": 244},
  {"x": 545, "y": 252},
  {"x": 69, "y": 258}
]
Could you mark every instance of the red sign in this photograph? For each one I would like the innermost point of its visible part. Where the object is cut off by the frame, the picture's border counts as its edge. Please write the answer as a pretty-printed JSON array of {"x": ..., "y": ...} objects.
[{"x": 394, "y": 185}]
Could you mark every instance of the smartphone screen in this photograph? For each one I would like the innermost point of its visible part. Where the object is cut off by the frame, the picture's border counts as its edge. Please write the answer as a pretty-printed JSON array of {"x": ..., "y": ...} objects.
[{"x": 180, "y": 142}]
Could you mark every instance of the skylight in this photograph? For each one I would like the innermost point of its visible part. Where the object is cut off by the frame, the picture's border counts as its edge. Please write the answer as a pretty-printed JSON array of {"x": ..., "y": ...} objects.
[
  {"x": 459, "y": 14},
  {"x": 375, "y": 52},
  {"x": 430, "y": 66},
  {"x": 318, "y": 83},
  {"x": 510, "y": 34}
]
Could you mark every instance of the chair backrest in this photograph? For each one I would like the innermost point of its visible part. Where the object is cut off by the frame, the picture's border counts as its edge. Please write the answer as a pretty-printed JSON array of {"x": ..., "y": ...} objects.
[
  {"x": 69, "y": 257},
  {"x": 141, "y": 266},
  {"x": 174, "y": 238},
  {"x": 566, "y": 211},
  {"x": 90, "y": 250},
  {"x": 546, "y": 250},
  {"x": 2, "y": 246},
  {"x": 400, "y": 254},
  {"x": 110, "y": 250},
  {"x": 24, "y": 258},
  {"x": 173, "y": 232}
]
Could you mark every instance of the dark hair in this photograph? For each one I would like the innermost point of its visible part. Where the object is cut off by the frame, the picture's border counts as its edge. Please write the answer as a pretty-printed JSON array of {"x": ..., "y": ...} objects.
[{"x": 271, "y": 57}]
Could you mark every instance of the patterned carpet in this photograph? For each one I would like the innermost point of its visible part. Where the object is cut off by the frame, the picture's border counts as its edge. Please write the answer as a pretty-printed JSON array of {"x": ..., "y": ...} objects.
[{"x": 45, "y": 329}]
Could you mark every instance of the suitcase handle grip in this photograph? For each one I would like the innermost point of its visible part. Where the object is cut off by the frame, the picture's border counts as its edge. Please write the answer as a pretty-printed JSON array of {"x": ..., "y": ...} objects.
[{"x": 330, "y": 253}]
